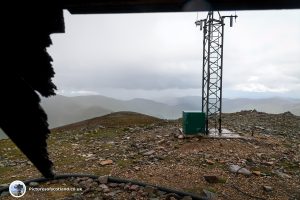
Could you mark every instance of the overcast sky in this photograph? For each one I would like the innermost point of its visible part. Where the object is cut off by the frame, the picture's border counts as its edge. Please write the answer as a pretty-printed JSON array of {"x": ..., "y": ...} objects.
[{"x": 156, "y": 55}]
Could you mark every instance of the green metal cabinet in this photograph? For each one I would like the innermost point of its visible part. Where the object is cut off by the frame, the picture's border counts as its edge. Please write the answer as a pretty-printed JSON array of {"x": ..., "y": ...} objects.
[{"x": 193, "y": 122}]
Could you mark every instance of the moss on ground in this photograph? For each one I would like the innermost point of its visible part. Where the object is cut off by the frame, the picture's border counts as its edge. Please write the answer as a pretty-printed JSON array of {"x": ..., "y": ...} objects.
[{"x": 124, "y": 163}]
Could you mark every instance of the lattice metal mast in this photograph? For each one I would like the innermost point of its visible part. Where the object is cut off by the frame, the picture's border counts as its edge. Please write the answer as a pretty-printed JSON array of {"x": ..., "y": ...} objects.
[{"x": 213, "y": 38}]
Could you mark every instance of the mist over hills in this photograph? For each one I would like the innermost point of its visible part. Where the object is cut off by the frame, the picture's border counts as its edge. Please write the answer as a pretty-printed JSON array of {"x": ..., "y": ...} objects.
[
  {"x": 269, "y": 105},
  {"x": 63, "y": 110}
]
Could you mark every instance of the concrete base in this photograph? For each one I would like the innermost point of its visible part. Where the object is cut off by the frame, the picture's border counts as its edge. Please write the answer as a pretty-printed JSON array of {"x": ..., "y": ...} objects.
[{"x": 214, "y": 134}]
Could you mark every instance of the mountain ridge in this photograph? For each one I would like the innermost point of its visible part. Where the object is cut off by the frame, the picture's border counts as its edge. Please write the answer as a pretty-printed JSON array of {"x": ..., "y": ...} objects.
[
  {"x": 62, "y": 110},
  {"x": 85, "y": 107}
]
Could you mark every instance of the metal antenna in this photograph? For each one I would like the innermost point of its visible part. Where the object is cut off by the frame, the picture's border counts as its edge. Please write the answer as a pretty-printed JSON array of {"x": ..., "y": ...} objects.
[{"x": 213, "y": 39}]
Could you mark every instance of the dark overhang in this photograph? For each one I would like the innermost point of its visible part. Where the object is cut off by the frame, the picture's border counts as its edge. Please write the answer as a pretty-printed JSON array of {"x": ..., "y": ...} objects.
[{"x": 141, "y": 6}]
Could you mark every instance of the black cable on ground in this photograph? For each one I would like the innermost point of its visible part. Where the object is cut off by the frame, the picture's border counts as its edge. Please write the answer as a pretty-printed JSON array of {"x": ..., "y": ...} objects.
[
  {"x": 241, "y": 191},
  {"x": 245, "y": 193},
  {"x": 111, "y": 180}
]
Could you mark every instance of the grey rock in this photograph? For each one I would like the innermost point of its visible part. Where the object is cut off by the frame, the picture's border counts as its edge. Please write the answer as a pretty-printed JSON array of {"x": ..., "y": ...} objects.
[
  {"x": 209, "y": 195},
  {"x": 180, "y": 136},
  {"x": 281, "y": 174},
  {"x": 111, "y": 194},
  {"x": 113, "y": 185},
  {"x": 118, "y": 191},
  {"x": 267, "y": 188},
  {"x": 127, "y": 186},
  {"x": 29, "y": 163},
  {"x": 33, "y": 184},
  {"x": 103, "y": 179},
  {"x": 77, "y": 196},
  {"x": 103, "y": 186},
  {"x": 240, "y": 170},
  {"x": 133, "y": 195},
  {"x": 161, "y": 193},
  {"x": 148, "y": 153},
  {"x": 150, "y": 189},
  {"x": 134, "y": 187},
  {"x": 89, "y": 181},
  {"x": 151, "y": 195},
  {"x": 106, "y": 190},
  {"x": 88, "y": 184},
  {"x": 172, "y": 196}
]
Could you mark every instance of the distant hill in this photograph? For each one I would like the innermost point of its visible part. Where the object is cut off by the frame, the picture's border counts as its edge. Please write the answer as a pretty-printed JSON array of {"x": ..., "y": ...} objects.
[
  {"x": 63, "y": 110},
  {"x": 117, "y": 119},
  {"x": 139, "y": 105},
  {"x": 269, "y": 105},
  {"x": 153, "y": 108}
]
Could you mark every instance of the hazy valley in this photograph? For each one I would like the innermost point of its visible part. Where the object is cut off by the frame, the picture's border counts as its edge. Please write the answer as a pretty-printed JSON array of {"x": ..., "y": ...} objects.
[{"x": 63, "y": 110}]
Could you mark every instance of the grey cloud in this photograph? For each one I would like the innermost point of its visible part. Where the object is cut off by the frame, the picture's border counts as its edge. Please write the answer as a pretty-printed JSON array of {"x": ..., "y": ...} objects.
[
  {"x": 153, "y": 52},
  {"x": 139, "y": 77}
]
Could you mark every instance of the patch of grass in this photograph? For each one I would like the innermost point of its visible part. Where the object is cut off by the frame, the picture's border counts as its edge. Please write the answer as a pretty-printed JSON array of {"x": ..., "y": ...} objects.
[
  {"x": 291, "y": 166},
  {"x": 222, "y": 166},
  {"x": 199, "y": 190},
  {"x": 4, "y": 171},
  {"x": 108, "y": 133},
  {"x": 126, "y": 129},
  {"x": 6, "y": 143},
  {"x": 213, "y": 190},
  {"x": 124, "y": 163},
  {"x": 69, "y": 160},
  {"x": 288, "y": 145},
  {"x": 101, "y": 171},
  {"x": 195, "y": 190},
  {"x": 222, "y": 180},
  {"x": 106, "y": 146},
  {"x": 9, "y": 174},
  {"x": 13, "y": 152},
  {"x": 262, "y": 169}
]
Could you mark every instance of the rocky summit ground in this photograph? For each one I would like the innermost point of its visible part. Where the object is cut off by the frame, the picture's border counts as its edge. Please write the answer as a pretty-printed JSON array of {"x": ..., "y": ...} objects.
[{"x": 264, "y": 164}]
